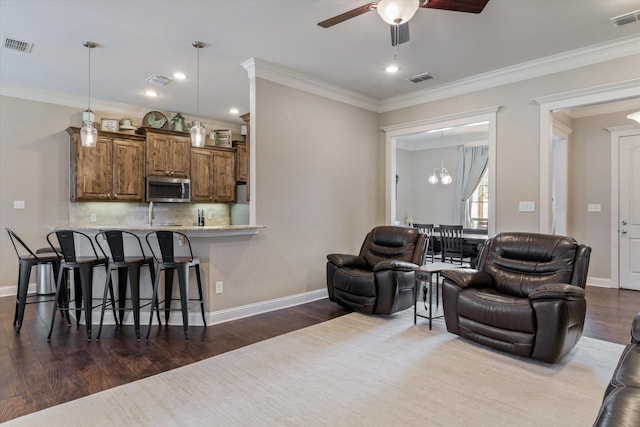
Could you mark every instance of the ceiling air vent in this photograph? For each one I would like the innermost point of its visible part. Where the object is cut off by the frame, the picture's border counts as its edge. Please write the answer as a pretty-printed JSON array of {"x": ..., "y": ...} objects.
[
  {"x": 158, "y": 80},
  {"x": 17, "y": 45},
  {"x": 420, "y": 77},
  {"x": 625, "y": 19}
]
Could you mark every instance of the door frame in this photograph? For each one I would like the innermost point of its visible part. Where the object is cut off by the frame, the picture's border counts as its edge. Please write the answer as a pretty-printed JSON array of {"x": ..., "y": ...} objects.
[
  {"x": 616, "y": 133},
  {"x": 613, "y": 92},
  {"x": 393, "y": 131}
]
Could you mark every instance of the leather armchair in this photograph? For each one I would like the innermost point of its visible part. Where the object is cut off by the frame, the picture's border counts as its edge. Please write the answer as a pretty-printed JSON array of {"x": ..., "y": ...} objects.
[
  {"x": 526, "y": 298},
  {"x": 381, "y": 279}
]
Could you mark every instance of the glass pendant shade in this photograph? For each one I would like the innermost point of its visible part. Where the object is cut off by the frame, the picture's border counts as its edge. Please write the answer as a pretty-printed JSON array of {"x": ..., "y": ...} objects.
[
  {"x": 396, "y": 12},
  {"x": 198, "y": 132},
  {"x": 445, "y": 177},
  {"x": 88, "y": 134},
  {"x": 634, "y": 116},
  {"x": 433, "y": 179},
  {"x": 198, "y": 135}
]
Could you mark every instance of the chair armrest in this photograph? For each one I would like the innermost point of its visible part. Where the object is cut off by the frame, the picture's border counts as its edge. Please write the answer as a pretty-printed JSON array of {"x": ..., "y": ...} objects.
[
  {"x": 343, "y": 260},
  {"x": 635, "y": 329},
  {"x": 468, "y": 278},
  {"x": 395, "y": 265},
  {"x": 556, "y": 291}
]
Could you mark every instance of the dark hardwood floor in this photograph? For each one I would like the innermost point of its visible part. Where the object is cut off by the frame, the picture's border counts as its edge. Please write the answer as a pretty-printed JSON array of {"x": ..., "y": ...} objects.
[{"x": 36, "y": 374}]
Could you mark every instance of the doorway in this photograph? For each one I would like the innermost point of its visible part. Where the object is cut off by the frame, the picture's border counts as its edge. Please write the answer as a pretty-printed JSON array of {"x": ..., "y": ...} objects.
[
  {"x": 591, "y": 96},
  {"x": 393, "y": 132}
]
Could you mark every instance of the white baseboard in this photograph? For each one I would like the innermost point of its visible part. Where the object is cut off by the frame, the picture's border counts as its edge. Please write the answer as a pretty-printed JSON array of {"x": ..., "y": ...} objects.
[
  {"x": 243, "y": 311},
  {"x": 195, "y": 318},
  {"x": 601, "y": 282}
]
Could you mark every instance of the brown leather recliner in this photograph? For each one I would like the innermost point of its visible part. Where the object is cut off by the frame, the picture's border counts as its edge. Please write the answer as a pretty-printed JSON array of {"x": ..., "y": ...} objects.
[
  {"x": 526, "y": 298},
  {"x": 381, "y": 279}
]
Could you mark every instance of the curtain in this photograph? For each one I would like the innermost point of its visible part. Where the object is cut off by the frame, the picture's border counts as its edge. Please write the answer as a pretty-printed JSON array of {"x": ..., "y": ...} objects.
[{"x": 472, "y": 164}]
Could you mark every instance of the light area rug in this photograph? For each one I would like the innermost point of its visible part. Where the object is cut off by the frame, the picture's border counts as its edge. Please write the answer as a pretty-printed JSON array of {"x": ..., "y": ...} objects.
[{"x": 357, "y": 370}]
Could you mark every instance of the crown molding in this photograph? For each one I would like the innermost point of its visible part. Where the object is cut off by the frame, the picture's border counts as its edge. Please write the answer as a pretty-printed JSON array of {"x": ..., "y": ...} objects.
[
  {"x": 601, "y": 52},
  {"x": 257, "y": 67},
  {"x": 40, "y": 95}
]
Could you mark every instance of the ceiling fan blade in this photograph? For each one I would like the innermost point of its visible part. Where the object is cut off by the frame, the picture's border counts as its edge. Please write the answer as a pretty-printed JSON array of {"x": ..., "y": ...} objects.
[
  {"x": 468, "y": 6},
  {"x": 347, "y": 15},
  {"x": 399, "y": 34}
]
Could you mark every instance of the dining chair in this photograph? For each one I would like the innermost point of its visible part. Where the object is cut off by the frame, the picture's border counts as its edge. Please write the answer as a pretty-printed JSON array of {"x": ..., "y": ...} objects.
[
  {"x": 127, "y": 260},
  {"x": 163, "y": 248},
  {"x": 430, "y": 251},
  {"x": 453, "y": 248},
  {"x": 27, "y": 259},
  {"x": 68, "y": 243}
]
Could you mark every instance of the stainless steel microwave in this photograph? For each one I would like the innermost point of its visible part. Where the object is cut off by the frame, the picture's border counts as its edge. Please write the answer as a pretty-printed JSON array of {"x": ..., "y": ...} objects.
[{"x": 169, "y": 190}]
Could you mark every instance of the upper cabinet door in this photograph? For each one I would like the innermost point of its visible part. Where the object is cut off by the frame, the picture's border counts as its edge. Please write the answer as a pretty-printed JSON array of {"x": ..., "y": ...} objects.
[
  {"x": 92, "y": 168},
  {"x": 128, "y": 179}
]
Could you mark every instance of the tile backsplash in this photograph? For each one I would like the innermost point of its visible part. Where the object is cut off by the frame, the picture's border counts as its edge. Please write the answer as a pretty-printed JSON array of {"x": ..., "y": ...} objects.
[{"x": 119, "y": 213}]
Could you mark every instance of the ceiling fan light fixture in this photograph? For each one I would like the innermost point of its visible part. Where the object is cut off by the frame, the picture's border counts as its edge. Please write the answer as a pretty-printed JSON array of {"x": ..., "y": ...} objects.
[
  {"x": 396, "y": 12},
  {"x": 634, "y": 116}
]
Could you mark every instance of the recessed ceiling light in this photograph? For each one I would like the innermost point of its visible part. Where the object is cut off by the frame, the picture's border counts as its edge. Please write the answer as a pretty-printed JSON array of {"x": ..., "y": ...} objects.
[
  {"x": 179, "y": 76},
  {"x": 151, "y": 93},
  {"x": 393, "y": 68},
  {"x": 234, "y": 111}
]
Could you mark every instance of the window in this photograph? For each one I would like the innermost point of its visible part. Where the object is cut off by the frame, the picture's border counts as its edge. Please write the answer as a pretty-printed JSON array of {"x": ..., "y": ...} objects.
[{"x": 478, "y": 205}]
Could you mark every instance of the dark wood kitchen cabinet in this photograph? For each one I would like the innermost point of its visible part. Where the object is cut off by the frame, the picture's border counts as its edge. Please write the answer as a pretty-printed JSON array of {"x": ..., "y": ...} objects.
[
  {"x": 112, "y": 170},
  {"x": 168, "y": 153},
  {"x": 213, "y": 175}
]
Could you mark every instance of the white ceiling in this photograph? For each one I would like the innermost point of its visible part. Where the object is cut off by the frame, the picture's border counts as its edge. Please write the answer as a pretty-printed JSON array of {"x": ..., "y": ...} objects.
[{"x": 138, "y": 38}]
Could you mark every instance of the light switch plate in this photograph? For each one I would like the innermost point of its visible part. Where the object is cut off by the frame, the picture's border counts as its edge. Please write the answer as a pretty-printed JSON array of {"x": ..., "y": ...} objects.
[
  {"x": 18, "y": 204},
  {"x": 594, "y": 207},
  {"x": 527, "y": 206}
]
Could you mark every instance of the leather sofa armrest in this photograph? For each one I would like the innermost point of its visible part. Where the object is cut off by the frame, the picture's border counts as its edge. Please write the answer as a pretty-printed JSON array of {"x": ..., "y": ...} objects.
[
  {"x": 635, "y": 329},
  {"x": 557, "y": 291},
  {"x": 343, "y": 260},
  {"x": 395, "y": 265},
  {"x": 468, "y": 278}
]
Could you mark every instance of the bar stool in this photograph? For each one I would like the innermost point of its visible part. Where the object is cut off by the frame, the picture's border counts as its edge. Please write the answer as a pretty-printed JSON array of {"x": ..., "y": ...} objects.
[
  {"x": 84, "y": 267},
  {"x": 26, "y": 260},
  {"x": 168, "y": 261},
  {"x": 126, "y": 264}
]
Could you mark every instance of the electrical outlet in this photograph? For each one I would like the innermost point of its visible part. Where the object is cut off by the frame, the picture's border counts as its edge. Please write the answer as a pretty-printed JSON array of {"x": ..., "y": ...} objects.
[
  {"x": 219, "y": 287},
  {"x": 594, "y": 207},
  {"x": 527, "y": 206},
  {"x": 209, "y": 215},
  {"x": 18, "y": 204},
  {"x": 93, "y": 217}
]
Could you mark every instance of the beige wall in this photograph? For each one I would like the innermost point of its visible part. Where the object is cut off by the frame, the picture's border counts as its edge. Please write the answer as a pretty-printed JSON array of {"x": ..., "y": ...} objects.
[
  {"x": 34, "y": 167},
  {"x": 517, "y": 157}
]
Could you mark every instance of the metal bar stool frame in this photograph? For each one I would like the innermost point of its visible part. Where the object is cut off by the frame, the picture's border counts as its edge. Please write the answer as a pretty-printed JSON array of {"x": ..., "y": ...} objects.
[
  {"x": 84, "y": 267},
  {"x": 26, "y": 260},
  {"x": 127, "y": 266},
  {"x": 168, "y": 261}
]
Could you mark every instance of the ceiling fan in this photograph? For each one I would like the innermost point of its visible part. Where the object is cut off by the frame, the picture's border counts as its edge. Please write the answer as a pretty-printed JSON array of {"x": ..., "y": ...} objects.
[{"x": 397, "y": 13}]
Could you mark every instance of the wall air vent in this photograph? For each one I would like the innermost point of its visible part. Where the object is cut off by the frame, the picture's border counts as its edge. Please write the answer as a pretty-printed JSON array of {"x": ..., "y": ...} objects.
[
  {"x": 17, "y": 45},
  {"x": 420, "y": 77},
  {"x": 625, "y": 19},
  {"x": 158, "y": 80}
]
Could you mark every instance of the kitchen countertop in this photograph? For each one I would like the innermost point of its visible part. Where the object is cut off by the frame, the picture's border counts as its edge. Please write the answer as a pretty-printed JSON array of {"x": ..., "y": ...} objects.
[{"x": 191, "y": 230}]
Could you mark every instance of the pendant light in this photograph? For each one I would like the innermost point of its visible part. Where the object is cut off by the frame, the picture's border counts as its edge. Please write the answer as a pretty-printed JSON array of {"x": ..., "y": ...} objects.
[
  {"x": 198, "y": 132},
  {"x": 88, "y": 133},
  {"x": 441, "y": 174}
]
